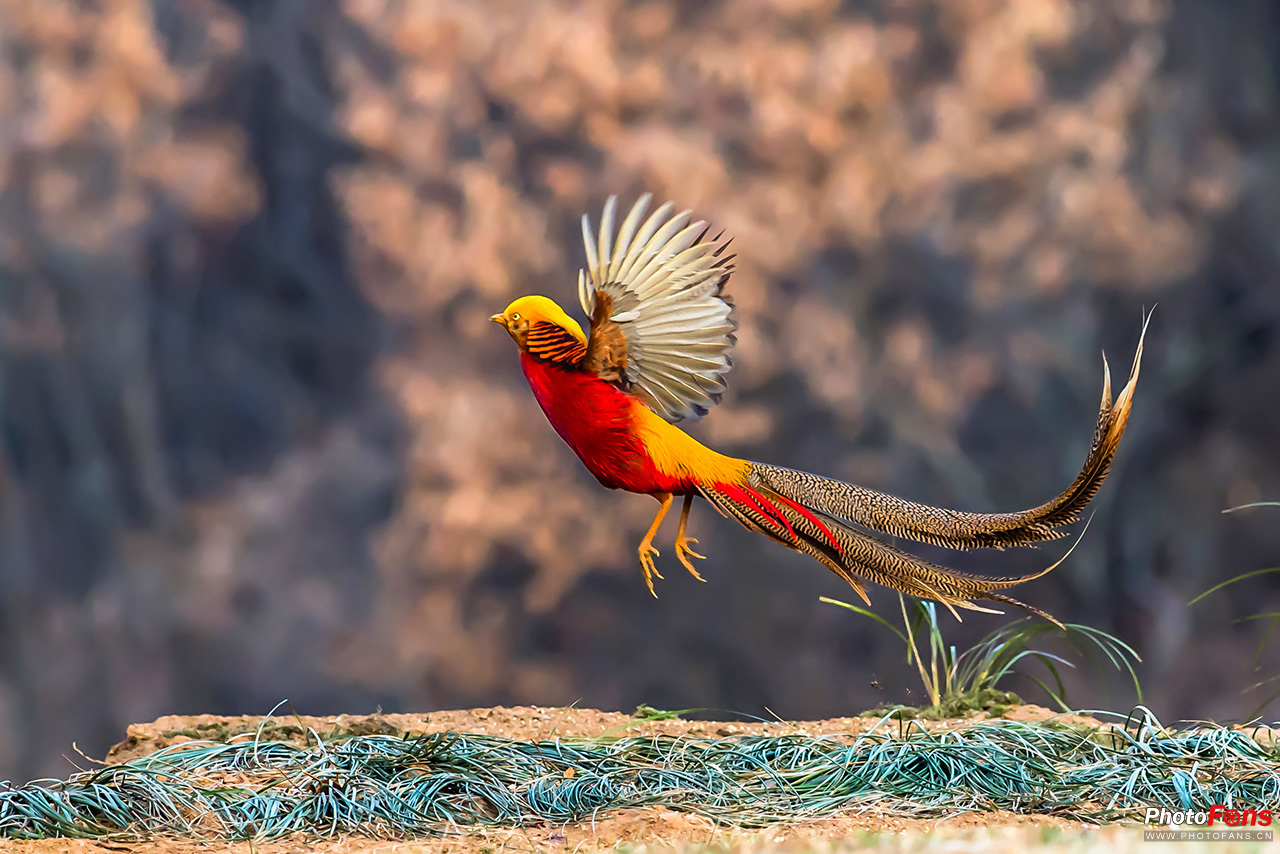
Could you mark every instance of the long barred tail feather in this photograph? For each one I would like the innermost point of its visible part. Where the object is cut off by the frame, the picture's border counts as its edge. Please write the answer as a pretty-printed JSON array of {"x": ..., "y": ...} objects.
[
  {"x": 856, "y": 556},
  {"x": 958, "y": 529},
  {"x": 817, "y": 516}
]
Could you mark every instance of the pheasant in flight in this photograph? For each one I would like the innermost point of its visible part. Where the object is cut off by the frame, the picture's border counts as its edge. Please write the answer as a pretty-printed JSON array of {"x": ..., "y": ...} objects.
[{"x": 657, "y": 351}]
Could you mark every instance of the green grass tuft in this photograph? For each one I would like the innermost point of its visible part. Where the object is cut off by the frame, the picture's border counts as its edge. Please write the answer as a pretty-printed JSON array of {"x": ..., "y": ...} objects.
[{"x": 964, "y": 681}]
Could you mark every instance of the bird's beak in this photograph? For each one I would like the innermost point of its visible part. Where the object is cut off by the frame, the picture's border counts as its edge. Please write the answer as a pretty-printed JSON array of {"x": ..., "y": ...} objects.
[{"x": 498, "y": 319}]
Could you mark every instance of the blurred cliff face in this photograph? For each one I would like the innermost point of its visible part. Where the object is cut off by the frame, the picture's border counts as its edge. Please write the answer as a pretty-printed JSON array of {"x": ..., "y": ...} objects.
[{"x": 259, "y": 441}]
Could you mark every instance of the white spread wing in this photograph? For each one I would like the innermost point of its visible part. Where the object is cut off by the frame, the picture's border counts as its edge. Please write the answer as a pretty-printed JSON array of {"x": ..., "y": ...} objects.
[{"x": 666, "y": 281}]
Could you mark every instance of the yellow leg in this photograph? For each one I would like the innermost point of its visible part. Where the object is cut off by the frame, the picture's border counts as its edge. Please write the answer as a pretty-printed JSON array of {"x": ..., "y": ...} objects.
[
  {"x": 647, "y": 551},
  {"x": 683, "y": 552}
]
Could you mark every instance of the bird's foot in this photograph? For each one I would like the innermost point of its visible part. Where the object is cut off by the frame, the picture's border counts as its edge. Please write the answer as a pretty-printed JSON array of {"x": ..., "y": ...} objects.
[
  {"x": 683, "y": 553},
  {"x": 650, "y": 571}
]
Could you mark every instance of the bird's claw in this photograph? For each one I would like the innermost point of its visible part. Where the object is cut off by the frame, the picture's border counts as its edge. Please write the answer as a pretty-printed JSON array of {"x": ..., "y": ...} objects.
[
  {"x": 650, "y": 571},
  {"x": 683, "y": 553}
]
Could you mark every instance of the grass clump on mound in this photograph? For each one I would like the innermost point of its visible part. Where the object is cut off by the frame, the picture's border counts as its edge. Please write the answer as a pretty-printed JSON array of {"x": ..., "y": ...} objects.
[
  {"x": 388, "y": 785},
  {"x": 993, "y": 701},
  {"x": 957, "y": 684}
]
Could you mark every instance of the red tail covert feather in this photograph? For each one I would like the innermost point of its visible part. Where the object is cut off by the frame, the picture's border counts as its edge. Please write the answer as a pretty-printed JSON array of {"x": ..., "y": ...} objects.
[{"x": 813, "y": 520}]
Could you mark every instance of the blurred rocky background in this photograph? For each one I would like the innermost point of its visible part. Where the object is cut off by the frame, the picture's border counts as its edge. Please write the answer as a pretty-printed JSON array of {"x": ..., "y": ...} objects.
[{"x": 258, "y": 440}]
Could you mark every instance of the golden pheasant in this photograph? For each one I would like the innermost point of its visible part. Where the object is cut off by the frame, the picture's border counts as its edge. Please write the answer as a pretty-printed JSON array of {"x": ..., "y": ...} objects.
[{"x": 657, "y": 352}]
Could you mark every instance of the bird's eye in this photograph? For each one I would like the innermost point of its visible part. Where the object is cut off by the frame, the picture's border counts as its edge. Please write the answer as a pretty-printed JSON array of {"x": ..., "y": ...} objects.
[{"x": 515, "y": 316}]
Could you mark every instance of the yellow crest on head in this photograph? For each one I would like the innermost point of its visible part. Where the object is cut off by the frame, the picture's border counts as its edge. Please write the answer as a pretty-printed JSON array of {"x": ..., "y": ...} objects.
[{"x": 542, "y": 309}]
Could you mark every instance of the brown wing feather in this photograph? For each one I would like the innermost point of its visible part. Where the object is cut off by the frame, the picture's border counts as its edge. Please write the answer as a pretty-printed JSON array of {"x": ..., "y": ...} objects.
[
  {"x": 606, "y": 355},
  {"x": 666, "y": 279}
]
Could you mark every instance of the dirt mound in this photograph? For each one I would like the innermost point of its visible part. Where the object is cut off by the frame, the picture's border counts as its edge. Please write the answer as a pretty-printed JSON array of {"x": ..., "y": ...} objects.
[
  {"x": 528, "y": 723},
  {"x": 663, "y": 830},
  {"x": 653, "y": 828}
]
